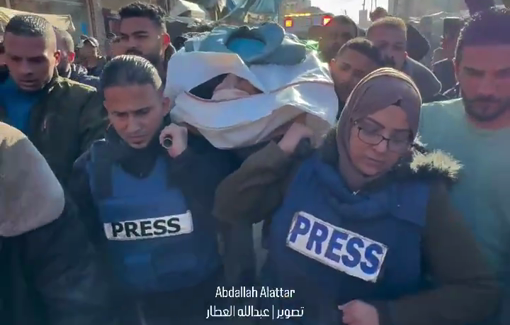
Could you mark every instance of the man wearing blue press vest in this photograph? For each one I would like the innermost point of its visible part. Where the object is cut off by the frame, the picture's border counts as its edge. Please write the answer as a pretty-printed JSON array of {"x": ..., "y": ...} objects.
[{"x": 148, "y": 206}]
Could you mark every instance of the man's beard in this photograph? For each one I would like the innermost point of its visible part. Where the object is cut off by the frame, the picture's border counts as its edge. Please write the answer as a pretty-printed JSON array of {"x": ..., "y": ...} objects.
[
  {"x": 478, "y": 108},
  {"x": 152, "y": 57}
]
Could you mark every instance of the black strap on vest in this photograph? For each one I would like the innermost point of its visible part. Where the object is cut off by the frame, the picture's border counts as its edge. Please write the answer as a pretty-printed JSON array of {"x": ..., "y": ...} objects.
[{"x": 102, "y": 171}]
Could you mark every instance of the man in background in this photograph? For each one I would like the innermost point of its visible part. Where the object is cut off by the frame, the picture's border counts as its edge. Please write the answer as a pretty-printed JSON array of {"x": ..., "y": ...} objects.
[
  {"x": 356, "y": 59},
  {"x": 66, "y": 67},
  {"x": 60, "y": 116},
  {"x": 417, "y": 45},
  {"x": 390, "y": 36},
  {"x": 335, "y": 34},
  {"x": 143, "y": 33},
  {"x": 92, "y": 59}
]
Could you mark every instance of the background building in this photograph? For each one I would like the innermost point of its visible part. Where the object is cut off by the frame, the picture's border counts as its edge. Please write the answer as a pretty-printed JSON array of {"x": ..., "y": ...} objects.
[
  {"x": 292, "y": 6},
  {"x": 86, "y": 14}
]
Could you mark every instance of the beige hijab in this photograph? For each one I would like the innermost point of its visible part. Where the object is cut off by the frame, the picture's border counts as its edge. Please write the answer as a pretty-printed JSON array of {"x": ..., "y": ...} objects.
[{"x": 378, "y": 90}]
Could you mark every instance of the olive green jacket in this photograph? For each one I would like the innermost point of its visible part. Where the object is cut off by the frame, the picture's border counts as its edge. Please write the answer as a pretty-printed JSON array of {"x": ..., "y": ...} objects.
[{"x": 64, "y": 122}]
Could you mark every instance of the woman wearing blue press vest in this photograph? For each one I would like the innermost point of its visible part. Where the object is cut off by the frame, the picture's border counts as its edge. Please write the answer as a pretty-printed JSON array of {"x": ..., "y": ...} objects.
[{"x": 362, "y": 229}]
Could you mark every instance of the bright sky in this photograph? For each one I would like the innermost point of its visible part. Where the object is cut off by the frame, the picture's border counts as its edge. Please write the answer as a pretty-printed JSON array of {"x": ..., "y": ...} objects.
[{"x": 352, "y": 6}]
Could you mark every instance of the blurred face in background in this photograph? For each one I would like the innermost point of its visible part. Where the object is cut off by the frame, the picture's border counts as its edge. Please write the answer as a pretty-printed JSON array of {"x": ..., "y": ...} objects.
[
  {"x": 141, "y": 36},
  {"x": 392, "y": 42},
  {"x": 116, "y": 48},
  {"x": 347, "y": 69},
  {"x": 66, "y": 56},
  {"x": 334, "y": 36},
  {"x": 88, "y": 50}
]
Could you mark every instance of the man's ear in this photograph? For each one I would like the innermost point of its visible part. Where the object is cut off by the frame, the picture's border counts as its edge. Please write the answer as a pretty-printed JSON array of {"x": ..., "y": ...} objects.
[
  {"x": 166, "y": 40},
  {"x": 331, "y": 63},
  {"x": 167, "y": 105},
  {"x": 57, "y": 55},
  {"x": 71, "y": 56}
]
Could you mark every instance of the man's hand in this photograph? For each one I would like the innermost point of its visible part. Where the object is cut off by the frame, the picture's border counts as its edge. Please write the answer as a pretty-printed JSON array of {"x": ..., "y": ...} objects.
[
  {"x": 178, "y": 135},
  {"x": 294, "y": 134},
  {"x": 357, "y": 312}
]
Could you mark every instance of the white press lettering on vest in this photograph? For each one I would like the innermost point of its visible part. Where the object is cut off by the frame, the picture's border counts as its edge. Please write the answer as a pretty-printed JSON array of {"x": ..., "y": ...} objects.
[
  {"x": 336, "y": 247},
  {"x": 150, "y": 228}
]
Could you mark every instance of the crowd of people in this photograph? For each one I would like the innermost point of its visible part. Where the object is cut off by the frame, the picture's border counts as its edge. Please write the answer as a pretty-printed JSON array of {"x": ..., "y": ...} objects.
[{"x": 113, "y": 213}]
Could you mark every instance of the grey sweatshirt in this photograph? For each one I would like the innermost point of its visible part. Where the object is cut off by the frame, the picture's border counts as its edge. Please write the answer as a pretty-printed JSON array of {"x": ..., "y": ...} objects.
[{"x": 424, "y": 79}]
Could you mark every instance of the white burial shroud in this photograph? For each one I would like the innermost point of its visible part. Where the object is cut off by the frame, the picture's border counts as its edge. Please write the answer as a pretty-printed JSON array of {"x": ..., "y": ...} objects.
[{"x": 287, "y": 92}]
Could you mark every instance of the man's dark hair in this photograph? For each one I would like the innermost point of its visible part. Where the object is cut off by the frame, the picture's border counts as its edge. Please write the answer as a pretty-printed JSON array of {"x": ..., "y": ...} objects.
[
  {"x": 345, "y": 20},
  {"x": 30, "y": 26},
  {"x": 485, "y": 28},
  {"x": 388, "y": 22},
  {"x": 138, "y": 9},
  {"x": 129, "y": 70},
  {"x": 365, "y": 47},
  {"x": 67, "y": 39}
]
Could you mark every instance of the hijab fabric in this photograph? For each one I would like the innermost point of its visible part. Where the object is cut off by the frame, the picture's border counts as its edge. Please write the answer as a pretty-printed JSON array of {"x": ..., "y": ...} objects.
[{"x": 378, "y": 90}]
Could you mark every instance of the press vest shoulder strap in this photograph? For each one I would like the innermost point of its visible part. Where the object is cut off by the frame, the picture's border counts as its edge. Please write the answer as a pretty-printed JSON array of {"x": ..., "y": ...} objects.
[{"x": 101, "y": 170}]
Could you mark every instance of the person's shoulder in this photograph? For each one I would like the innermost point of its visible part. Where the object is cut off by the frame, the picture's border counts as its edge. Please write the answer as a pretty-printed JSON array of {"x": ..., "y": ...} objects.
[
  {"x": 91, "y": 81},
  {"x": 444, "y": 106},
  {"x": 75, "y": 87},
  {"x": 97, "y": 148},
  {"x": 438, "y": 117},
  {"x": 9, "y": 135}
]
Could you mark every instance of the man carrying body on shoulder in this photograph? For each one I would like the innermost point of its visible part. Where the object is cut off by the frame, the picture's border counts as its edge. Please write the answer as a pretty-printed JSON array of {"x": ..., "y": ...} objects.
[
  {"x": 49, "y": 268},
  {"x": 61, "y": 117},
  {"x": 143, "y": 33},
  {"x": 356, "y": 59},
  {"x": 335, "y": 34},
  {"x": 389, "y": 34},
  {"x": 147, "y": 207},
  {"x": 66, "y": 67},
  {"x": 475, "y": 129}
]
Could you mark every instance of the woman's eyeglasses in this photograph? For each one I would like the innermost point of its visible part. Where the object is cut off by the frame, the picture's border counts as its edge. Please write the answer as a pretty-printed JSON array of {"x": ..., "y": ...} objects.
[{"x": 374, "y": 138}]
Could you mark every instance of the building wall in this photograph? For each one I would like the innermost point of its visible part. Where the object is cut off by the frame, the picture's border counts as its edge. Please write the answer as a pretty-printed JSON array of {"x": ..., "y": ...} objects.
[
  {"x": 292, "y": 6},
  {"x": 84, "y": 13}
]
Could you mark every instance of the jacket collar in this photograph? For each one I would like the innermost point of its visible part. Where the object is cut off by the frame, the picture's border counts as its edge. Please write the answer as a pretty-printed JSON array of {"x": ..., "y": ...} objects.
[{"x": 422, "y": 165}]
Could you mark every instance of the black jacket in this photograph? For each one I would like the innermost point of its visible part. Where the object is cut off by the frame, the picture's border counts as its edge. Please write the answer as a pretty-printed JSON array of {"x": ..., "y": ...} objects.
[
  {"x": 79, "y": 74},
  {"x": 444, "y": 70},
  {"x": 50, "y": 276},
  {"x": 417, "y": 44}
]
